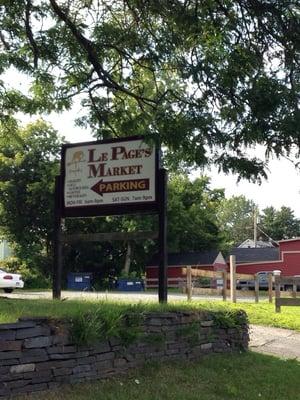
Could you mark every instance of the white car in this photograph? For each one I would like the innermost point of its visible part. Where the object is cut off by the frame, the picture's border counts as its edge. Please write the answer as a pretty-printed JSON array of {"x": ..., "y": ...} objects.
[{"x": 9, "y": 282}]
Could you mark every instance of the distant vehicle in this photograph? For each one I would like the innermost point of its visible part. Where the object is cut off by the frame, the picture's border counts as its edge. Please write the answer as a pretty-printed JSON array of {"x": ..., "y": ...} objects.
[
  {"x": 244, "y": 284},
  {"x": 289, "y": 286},
  {"x": 9, "y": 282}
]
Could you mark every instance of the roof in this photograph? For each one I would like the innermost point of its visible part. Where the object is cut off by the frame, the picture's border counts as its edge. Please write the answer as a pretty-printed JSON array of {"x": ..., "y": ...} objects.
[
  {"x": 191, "y": 258},
  {"x": 255, "y": 254},
  {"x": 259, "y": 243},
  {"x": 290, "y": 240}
]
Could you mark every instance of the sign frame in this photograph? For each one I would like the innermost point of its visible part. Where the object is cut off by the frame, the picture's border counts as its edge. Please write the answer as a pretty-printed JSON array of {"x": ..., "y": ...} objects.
[
  {"x": 159, "y": 207},
  {"x": 109, "y": 209}
]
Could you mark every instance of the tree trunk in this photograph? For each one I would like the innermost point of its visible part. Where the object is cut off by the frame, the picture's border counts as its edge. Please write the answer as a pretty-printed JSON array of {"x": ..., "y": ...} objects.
[{"x": 127, "y": 263}]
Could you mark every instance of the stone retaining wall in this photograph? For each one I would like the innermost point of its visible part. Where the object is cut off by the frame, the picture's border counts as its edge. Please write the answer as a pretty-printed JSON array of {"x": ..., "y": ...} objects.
[{"x": 37, "y": 354}]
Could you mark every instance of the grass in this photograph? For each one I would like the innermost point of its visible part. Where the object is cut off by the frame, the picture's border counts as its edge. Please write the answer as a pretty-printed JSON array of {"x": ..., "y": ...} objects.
[
  {"x": 90, "y": 321},
  {"x": 245, "y": 376},
  {"x": 262, "y": 313},
  {"x": 12, "y": 309},
  {"x": 219, "y": 377}
]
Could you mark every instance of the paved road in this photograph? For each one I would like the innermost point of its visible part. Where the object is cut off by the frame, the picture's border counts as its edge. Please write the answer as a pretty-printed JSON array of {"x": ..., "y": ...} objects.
[
  {"x": 115, "y": 296},
  {"x": 283, "y": 343}
]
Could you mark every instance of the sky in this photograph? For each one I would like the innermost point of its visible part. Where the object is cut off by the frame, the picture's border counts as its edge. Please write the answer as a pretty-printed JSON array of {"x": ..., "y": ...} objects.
[{"x": 281, "y": 189}]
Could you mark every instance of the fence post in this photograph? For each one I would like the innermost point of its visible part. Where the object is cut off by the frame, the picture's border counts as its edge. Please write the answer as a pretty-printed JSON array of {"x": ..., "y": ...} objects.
[
  {"x": 294, "y": 294},
  {"x": 233, "y": 279},
  {"x": 277, "y": 290},
  {"x": 256, "y": 287},
  {"x": 224, "y": 291},
  {"x": 189, "y": 282},
  {"x": 270, "y": 286}
]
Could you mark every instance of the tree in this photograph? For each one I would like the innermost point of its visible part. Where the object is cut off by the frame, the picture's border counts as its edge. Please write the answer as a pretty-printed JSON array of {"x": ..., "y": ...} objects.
[
  {"x": 105, "y": 256},
  {"x": 280, "y": 224},
  {"x": 28, "y": 165},
  {"x": 191, "y": 227},
  {"x": 192, "y": 214},
  {"x": 206, "y": 79},
  {"x": 235, "y": 219}
]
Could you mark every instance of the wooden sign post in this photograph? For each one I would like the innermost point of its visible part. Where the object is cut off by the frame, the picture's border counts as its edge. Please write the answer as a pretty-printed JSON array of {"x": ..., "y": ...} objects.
[
  {"x": 110, "y": 177},
  {"x": 232, "y": 279},
  {"x": 189, "y": 288},
  {"x": 57, "y": 243},
  {"x": 162, "y": 238}
]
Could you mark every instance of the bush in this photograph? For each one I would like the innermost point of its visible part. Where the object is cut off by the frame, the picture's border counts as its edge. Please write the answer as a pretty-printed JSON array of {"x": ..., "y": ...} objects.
[
  {"x": 203, "y": 282},
  {"x": 11, "y": 264},
  {"x": 103, "y": 323},
  {"x": 130, "y": 275}
]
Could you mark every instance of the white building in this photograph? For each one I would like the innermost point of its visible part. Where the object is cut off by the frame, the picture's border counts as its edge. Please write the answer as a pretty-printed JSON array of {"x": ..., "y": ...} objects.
[
  {"x": 249, "y": 244},
  {"x": 5, "y": 250}
]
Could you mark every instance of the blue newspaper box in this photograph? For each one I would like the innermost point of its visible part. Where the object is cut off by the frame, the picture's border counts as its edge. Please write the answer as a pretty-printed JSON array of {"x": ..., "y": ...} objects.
[{"x": 80, "y": 280}]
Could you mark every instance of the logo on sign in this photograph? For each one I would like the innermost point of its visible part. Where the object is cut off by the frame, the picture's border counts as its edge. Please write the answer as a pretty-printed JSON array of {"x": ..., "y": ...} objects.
[{"x": 77, "y": 157}]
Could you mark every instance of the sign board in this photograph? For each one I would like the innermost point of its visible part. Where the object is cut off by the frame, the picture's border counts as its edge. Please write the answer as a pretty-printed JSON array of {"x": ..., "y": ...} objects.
[
  {"x": 219, "y": 283},
  {"x": 109, "y": 177}
]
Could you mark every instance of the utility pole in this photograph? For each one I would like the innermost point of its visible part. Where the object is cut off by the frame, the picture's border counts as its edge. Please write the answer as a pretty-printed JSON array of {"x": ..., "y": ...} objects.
[{"x": 255, "y": 227}]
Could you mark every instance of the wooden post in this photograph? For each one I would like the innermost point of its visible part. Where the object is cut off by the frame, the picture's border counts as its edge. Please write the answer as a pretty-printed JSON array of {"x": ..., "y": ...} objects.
[
  {"x": 162, "y": 237},
  {"x": 233, "y": 279},
  {"x": 189, "y": 282},
  {"x": 256, "y": 287},
  {"x": 57, "y": 243},
  {"x": 224, "y": 291},
  {"x": 294, "y": 294},
  {"x": 277, "y": 290},
  {"x": 270, "y": 286}
]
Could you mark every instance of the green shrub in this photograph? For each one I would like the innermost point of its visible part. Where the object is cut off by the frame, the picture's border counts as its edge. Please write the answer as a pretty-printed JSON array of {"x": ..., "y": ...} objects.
[
  {"x": 130, "y": 275},
  {"x": 11, "y": 264},
  {"x": 203, "y": 282},
  {"x": 101, "y": 324},
  {"x": 86, "y": 328},
  {"x": 230, "y": 318}
]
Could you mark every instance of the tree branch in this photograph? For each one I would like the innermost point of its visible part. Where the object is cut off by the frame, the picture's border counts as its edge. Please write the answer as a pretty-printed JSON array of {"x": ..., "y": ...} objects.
[
  {"x": 91, "y": 53},
  {"x": 30, "y": 34},
  {"x": 4, "y": 42}
]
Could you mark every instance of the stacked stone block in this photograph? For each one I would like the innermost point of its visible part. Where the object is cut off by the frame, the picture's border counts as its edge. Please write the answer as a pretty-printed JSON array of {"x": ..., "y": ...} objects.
[{"x": 37, "y": 354}]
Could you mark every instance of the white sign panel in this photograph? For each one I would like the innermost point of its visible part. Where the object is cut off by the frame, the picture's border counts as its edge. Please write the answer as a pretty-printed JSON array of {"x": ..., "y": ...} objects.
[{"x": 115, "y": 173}]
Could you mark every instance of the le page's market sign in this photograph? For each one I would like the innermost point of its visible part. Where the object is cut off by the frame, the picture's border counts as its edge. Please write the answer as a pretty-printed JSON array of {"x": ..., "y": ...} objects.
[{"x": 109, "y": 177}]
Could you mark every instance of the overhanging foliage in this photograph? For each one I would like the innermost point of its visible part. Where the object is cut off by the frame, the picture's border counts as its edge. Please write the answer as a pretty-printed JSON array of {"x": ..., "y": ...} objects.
[{"x": 208, "y": 79}]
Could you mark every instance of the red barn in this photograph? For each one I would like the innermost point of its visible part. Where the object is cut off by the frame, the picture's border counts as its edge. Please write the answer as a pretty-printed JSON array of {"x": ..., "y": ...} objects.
[
  {"x": 285, "y": 258},
  {"x": 176, "y": 261}
]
